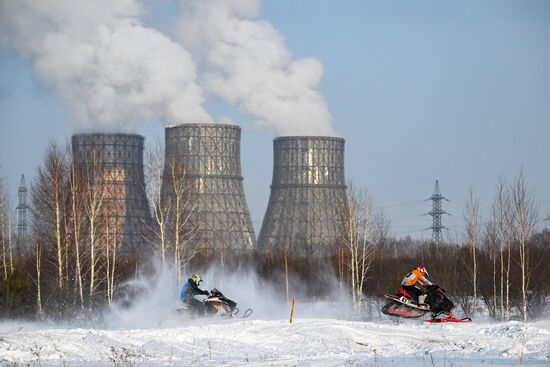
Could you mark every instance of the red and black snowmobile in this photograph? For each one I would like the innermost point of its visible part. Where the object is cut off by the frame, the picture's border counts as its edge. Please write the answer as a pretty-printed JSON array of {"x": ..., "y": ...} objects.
[{"x": 402, "y": 304}]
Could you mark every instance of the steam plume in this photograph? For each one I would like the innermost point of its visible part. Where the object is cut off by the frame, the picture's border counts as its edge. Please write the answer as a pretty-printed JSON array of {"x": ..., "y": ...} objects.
[
  {"x": 113, "y": 72},
  {"x": 247, "y": 64}
]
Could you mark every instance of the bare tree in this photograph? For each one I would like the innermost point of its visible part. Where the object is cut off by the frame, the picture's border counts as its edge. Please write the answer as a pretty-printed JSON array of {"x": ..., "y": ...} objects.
[
  {"x": 503, "y": 221},
  {"x": 169, "y": 194},
  {"x": 38, "y": 281},
  {"x": 184, "y": 231},
  {"x": 355, "y": 241},
  {"x": 77, "y": 217},
  {"x": 5, "y": 231},
  {"x": 111, "y": 244},
  {"x": 161, "y": 205},
  {"x": 48, "y": 197},
  {"x": 471, "y": 219},
  {"x": 55, "y": 166},
  {"x": 490, "y": 240},
  {"x": 93, "y": 199},
  {"x": 526, "y": 219},
  {"x": 381, "y": 232}
]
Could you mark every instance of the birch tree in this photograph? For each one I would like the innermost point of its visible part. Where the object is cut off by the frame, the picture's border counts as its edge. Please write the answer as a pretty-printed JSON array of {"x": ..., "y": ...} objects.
[
  {"x": 183, "y": 230},
  {"x": 161, "y": 205},
  {"x": 93, "y": 199},
  {"x": 471, "y": 219},
  {"x": 503, "y": 220},
  {"x": 491, "y": 245},
  {"x": 5, "y": 229},
  {"x": 381, "y": 228},
  {"x": 48, "y": 195},
  {"x": 355, "y": 241},
  {"x": 111, "y": 244},
  {"x": 526, "y": 219},
  {"x": 77, "y": 215},
  {"x": 55, "y": 167},
  {"x": 38, "y": 280}
]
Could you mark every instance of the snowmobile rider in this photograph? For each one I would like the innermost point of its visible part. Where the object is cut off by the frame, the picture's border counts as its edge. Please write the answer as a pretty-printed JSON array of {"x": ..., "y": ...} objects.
[
  {"x": 415, "y": 283},
  {"x": 192, "y": 289}
]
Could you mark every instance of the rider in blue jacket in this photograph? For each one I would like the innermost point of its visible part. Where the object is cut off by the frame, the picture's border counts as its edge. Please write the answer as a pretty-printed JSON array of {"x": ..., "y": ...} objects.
[{"x": 192, "y": 289}]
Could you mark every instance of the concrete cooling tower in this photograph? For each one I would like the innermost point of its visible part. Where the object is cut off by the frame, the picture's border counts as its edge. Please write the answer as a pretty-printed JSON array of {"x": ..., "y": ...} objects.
[
  {"x": 115, "y": 162},
  {"x": 209, "y": 155},
  {"x": 308, "y": 197}
]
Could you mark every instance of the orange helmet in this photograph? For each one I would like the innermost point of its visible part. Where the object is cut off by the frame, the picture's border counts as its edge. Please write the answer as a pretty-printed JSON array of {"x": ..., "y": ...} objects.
[{"x": 423, "y": 270}]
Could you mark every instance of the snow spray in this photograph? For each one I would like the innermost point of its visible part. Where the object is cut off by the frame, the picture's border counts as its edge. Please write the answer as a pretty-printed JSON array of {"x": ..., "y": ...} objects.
[{"x": 155, "y": 298}]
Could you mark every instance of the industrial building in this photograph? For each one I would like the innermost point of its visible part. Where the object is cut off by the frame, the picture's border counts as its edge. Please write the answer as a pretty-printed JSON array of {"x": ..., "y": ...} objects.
[
  {"x": 113, "y": 164},
  {"x": 304, "y": 216},
  {"x": 216, "y": 209}
]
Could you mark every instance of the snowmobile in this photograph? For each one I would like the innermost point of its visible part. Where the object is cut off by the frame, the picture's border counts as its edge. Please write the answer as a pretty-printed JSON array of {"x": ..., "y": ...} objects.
[
  {"x": 217, "y": 304},
  {"x": 402, "y": 304}
]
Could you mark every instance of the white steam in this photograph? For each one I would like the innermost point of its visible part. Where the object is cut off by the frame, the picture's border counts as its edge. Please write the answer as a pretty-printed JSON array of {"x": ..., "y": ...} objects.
[
  {"x": 248, "y": 65},
  {"x": 113, "y": 72}
]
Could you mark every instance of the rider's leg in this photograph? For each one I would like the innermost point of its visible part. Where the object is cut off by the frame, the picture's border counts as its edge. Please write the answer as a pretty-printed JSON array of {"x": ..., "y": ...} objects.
[
  {"x": 422, "y": 299},
  {"x": 414, "y": 292},
  {"x": 196, "y": 305}
]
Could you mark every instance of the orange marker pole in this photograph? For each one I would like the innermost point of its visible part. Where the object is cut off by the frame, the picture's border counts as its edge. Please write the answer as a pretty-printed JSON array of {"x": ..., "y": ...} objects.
[{"x": 292, "y": 310}]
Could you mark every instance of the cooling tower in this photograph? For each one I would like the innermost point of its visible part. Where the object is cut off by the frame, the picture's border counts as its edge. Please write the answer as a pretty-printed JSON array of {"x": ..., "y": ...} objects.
[
  {"x": 114, "y": 162},
  {"x": 308, "y": 197},
  {"x": 209, "y": 156}
]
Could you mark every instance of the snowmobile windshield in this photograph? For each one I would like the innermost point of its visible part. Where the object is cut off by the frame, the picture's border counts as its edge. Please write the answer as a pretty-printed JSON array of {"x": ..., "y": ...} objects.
[{"x": 216, "y": 292}]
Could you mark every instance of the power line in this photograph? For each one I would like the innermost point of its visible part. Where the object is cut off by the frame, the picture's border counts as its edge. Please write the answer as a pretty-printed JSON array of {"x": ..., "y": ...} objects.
[{"x": 400, "y": 204}]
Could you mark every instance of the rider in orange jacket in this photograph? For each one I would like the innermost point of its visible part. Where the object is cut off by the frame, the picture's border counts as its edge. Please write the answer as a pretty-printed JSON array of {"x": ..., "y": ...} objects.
[{"x": 415, "y": 283}]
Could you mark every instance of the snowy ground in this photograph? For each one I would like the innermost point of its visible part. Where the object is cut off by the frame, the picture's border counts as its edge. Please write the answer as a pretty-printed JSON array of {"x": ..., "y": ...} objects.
[
  {"x": 305, "y": 342},
  {"x": 151, "y": 333}
]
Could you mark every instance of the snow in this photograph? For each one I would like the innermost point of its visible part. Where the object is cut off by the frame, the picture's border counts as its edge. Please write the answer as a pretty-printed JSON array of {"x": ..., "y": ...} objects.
[
  {"x": 305, "y": 342},
  {"x": 150, "y": 332}
]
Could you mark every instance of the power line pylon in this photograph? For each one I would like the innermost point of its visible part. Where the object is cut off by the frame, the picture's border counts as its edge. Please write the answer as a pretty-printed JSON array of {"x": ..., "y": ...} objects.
[
  {"x": 436, "y": 213},
  {"x": 22, "y": 208}
]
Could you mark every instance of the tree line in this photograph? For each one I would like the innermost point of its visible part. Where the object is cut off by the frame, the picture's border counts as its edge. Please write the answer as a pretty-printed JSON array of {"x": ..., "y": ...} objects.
[
  {"x": 73, "y": 262},
  {"x": 499, "y": 263}
]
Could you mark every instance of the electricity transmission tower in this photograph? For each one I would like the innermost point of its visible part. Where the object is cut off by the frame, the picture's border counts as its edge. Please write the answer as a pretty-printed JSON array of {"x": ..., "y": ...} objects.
[
  {"x": 436, "y": 213},
  {"x": 22, "y": 208}
]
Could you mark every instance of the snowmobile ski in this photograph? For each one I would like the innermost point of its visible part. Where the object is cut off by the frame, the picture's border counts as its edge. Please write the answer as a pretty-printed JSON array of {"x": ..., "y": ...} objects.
[
  {"x": 246, "y": 313},
  {"x": 449, "y": 318}
]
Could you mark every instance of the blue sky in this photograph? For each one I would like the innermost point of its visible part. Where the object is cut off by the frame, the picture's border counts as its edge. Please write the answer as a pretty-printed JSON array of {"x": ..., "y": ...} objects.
[{"x": 455, "y": 91}]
